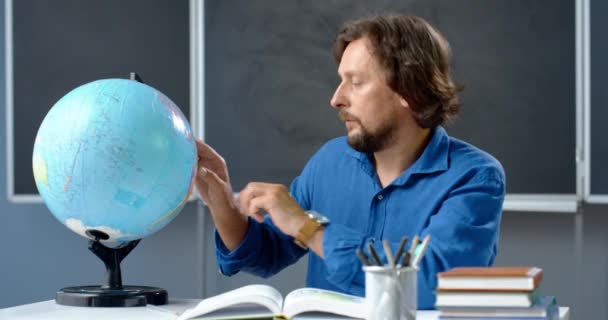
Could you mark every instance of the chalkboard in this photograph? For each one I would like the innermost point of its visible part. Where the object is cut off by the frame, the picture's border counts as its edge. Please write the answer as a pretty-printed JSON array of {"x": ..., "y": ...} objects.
[
  {"x": 599, "y": 98},
  {"x": 61, "y": 44},
  {"x": 270, "y": 75}
]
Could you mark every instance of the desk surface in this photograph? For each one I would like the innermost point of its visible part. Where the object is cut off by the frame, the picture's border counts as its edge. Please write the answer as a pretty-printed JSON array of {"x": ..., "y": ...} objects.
[{"x": 49, "y": 310}]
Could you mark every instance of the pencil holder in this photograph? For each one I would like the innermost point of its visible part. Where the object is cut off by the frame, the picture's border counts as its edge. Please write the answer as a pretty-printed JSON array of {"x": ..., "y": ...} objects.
[{"x": 390, "y": 293}]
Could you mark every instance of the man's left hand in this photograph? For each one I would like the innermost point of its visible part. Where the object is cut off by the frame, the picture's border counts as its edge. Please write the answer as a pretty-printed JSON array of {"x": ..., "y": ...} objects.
[{"x": 275, "y": 199}]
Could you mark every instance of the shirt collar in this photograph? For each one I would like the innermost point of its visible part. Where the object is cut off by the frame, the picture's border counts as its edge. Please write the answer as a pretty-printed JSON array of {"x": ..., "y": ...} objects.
[{"x": 434, "y": 158}]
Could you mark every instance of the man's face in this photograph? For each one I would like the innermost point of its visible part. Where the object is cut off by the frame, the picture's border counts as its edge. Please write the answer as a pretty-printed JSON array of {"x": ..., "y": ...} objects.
[{"x": 364, "y": 100}]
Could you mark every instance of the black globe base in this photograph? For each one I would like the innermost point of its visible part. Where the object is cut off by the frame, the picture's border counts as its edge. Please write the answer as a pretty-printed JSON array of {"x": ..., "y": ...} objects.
[
  {"x": 111, "y": 293},
  {"x": 96, "y": 296}
]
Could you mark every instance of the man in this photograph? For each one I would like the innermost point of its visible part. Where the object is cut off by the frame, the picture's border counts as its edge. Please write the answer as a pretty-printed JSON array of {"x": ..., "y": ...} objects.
[{"x": 396, "y": 173}]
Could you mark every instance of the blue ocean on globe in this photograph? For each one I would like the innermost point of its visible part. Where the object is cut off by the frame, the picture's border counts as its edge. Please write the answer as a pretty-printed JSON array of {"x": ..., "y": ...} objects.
[{"x": 115, "y": 156}]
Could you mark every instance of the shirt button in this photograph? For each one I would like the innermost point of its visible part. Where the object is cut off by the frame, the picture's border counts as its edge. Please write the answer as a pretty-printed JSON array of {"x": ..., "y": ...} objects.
[{"x": 380, "y": 197}]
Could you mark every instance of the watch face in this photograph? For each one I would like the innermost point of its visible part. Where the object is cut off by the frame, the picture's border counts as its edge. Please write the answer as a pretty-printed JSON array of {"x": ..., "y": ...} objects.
[{"x": 321, "y": 219}]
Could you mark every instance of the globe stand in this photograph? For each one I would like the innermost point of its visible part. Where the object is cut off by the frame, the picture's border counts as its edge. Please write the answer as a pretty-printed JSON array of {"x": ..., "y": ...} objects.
[{"x": 112, "y": 293}]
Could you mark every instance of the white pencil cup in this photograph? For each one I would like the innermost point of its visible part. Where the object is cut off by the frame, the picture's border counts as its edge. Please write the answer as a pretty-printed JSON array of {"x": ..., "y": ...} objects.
[{"x": 390, "y": 293}]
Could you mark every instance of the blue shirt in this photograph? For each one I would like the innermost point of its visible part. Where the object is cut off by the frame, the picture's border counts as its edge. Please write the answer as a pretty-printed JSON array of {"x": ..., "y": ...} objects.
[{"x": 454, "y": 192}]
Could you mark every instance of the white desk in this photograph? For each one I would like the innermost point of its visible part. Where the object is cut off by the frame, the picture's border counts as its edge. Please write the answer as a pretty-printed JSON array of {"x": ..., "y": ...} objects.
[{"x": 49, "y": 310}]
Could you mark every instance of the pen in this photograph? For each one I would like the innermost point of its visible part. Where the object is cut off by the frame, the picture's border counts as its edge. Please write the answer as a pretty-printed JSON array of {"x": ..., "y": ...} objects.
[
  {"x": 389, "y": 253},
  {"x": 413, "y": 249},
  {"x": 420, "y": 252},
  {"x": 363, "y": 257},
  {"x": 406, "y": 259},
  {"x": 400, "y": 250},
  {"x": 374, "y": 254}
]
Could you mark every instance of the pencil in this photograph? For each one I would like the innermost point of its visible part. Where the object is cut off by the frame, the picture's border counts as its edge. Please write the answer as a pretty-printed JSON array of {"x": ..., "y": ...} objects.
[
  {"x": 406, "y": 259},
  {"x": 420, "y": 252},
  {"x": 374, "y": 254},
  {"x": 389, "y": 253},
  {"x": 413, "y": 249},
  {"x": 400, "y": 250},
  {"x": 363, "y": 257}
]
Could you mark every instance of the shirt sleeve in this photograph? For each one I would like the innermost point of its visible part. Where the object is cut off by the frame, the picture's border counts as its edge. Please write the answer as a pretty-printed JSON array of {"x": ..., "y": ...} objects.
[
  {"x": 464, "y": 232},
  {"x": 264, "y": 251}
]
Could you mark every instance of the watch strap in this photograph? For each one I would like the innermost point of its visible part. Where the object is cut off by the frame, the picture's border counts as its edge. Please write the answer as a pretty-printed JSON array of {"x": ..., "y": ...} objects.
[{"x": 306, "y": 232}]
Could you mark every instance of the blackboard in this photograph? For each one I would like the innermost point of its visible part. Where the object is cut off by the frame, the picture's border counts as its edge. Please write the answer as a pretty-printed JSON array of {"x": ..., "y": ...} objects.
[
  {"x": 61, "y": 44},
  {"x": 599, "y": 98},
  {"x": 270, "y": 75}
]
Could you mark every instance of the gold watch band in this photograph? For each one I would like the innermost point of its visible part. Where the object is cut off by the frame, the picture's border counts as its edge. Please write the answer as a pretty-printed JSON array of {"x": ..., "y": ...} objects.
[{"x": 306, "y": 232}]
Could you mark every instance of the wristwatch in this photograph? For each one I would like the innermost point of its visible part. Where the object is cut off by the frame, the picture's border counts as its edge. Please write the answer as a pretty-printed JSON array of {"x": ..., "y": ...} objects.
[{"x": 314, "y": 222}]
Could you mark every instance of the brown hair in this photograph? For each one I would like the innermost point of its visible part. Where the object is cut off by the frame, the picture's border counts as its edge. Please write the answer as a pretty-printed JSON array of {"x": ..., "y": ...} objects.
[{"x": 416, "y": 61}]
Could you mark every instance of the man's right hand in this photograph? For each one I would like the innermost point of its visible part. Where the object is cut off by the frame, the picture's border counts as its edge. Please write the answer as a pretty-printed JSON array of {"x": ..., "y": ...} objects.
[
  {"x": 213, "y": 184},
  {"x": 212, "y": 179}
]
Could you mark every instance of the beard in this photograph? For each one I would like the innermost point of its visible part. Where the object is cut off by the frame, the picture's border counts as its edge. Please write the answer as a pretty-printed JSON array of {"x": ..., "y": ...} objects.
[{"x": 370, "y": 141}]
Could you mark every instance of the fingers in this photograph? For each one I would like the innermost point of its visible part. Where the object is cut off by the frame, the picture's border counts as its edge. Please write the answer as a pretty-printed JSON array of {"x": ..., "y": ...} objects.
[
  {"x": 251, "y": 191},
  {"x": 257, "y": 196},
  {"x": 212, "y": 180},
  {"x": 202, "y": 183},
  {"x": 256, "y": 207},
  {"x": 212, "y": 160},
  {"x": 205, "y": 152},
  {"x": 209, "y": 177},
  {"x": 213, "y": 188}
]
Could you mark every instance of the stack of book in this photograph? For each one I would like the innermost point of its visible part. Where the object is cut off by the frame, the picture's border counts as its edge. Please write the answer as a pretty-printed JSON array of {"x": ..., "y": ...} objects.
[{"x": 493, "y": 293}]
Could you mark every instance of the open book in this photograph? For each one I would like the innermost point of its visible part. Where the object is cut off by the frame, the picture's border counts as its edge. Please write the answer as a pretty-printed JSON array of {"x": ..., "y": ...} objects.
[{"x": 265, "y": 302}]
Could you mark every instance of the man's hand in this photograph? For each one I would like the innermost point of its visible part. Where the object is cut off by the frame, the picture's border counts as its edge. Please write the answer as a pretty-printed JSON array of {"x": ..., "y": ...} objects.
[
  {"x": 213, "y": 184},
  {"x": 212, "y": 179},
  {"x": 275, "y": 199}
]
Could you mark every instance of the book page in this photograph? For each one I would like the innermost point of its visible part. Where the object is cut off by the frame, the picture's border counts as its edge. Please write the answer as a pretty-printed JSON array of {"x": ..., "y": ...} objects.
[
  {"x": 238, "y": 302},
  {"x": 308, "y": 300},
  {"x": 240, "y": 311}
]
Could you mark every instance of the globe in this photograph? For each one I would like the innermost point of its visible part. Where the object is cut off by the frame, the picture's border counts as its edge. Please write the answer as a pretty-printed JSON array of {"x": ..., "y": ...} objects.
[{"x": 114, "y": 160}]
